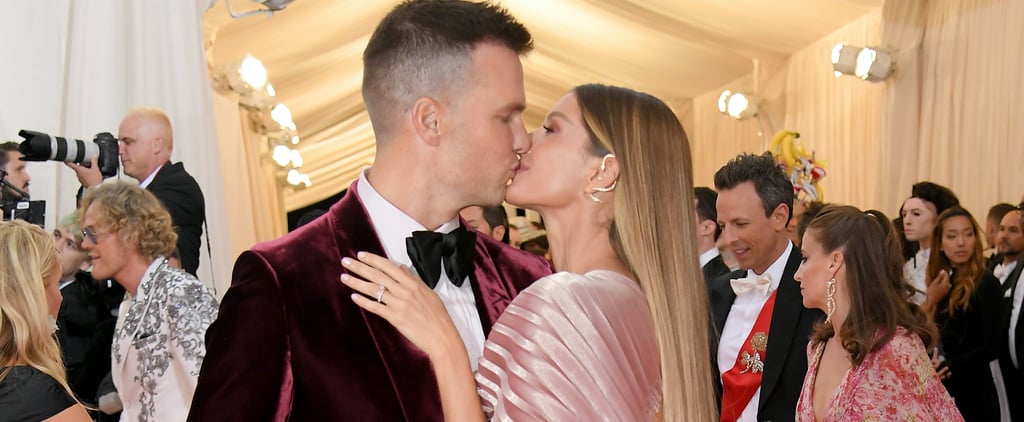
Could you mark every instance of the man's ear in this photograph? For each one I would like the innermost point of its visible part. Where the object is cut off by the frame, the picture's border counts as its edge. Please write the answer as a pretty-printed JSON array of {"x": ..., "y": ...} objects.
[
  {"x": 427, "y": 114},
  {"x": 707, "y": 228},
  {"x": 498, "y": 232},
  {"x": 159, "y": 145},
  {"x": 780, "y": 217}
]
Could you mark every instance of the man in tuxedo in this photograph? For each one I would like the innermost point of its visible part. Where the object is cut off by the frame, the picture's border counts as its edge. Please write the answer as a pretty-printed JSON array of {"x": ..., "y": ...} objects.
[
  {"x": 1011, "y": 358},
  {"x": 759, "y": 317},
  {"x": 992, "y": 220},
  {"x": 1009, "y": 247},
  {"x": 443, "y": 86},
  {"x": 145, "y": 142},
  {"x": 708, "y": 231}
]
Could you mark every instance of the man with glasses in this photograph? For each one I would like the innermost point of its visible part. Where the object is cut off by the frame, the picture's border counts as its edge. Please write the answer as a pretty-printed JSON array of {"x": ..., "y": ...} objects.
[
  {"x": 85, "y": 321},
  {"x": 159, "y": 340},
  {"x": 145, "y": 142}
]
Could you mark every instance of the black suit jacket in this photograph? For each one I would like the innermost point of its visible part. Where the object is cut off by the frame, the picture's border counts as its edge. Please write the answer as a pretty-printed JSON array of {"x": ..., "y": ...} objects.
[
  {"x": 183, "y": 198},
  {"x": 1013, "y": 377},
  {"x": 786, "y": 361},
  {"x": 714, "y": 269},
  {"x": 86, "y": 330}
]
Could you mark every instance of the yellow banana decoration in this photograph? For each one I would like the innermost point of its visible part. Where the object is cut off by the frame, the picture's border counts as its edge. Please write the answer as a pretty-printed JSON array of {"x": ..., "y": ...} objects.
[
  {"x": 800, "y": 165},
  {"x": 776, "y": 140}
]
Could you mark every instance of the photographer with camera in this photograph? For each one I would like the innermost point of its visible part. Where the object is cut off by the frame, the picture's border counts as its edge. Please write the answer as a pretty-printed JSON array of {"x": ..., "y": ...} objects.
[
  {"x": 145, "y": 142},
  {"x": 16, "y": 178},
  {"x": 14, "y": 182}
]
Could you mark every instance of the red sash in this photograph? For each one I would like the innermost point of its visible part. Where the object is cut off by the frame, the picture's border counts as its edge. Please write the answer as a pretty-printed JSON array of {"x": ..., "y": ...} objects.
[{"x": 741, "y": 382}]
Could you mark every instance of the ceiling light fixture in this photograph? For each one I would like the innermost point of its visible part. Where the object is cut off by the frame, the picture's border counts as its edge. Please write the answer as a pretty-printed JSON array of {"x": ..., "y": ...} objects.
[
  {"x": 870, "y": 64},
  {"x": 737, "y": 105}
]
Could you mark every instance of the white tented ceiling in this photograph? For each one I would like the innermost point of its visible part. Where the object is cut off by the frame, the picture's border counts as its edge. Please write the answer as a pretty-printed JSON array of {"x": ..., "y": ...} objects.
[{"x": 674, "y": 49}]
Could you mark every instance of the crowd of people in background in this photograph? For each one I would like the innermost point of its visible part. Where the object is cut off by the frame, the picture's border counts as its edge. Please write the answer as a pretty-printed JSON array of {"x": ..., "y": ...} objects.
[{"x": 639, "y": 297}]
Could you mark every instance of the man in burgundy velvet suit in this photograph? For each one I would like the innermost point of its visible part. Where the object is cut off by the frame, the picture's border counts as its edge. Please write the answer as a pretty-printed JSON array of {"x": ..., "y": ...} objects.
[{"x": 443, "y": 86}]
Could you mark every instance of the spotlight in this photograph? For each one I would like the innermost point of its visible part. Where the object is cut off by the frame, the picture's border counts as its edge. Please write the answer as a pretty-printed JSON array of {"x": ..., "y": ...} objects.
[
  {"x": 282, "y": 155},
  {"x": 844, "y": 59},
  {"x": 737, "y": 105},
  {"x": 870, "y": 64},
  {"x": 297, "y": 180},
  {"x": 253, "y": 72},
  {"x": 873, "y": 65},
  {"x": 283, "y": 116}
]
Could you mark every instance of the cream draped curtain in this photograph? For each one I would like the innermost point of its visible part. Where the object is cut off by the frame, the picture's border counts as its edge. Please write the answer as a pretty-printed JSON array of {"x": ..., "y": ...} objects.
[
  {"x": 950, "y": 113},
  {"x": 971, "y": 131}
]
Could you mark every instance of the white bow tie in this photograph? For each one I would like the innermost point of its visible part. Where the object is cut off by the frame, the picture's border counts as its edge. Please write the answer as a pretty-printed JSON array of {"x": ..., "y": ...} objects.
[{"x": 760, "y": 284}]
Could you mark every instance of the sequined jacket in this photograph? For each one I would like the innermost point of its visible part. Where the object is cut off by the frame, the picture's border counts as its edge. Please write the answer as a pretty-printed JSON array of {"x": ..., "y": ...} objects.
[{"x": 159, "y": 344}]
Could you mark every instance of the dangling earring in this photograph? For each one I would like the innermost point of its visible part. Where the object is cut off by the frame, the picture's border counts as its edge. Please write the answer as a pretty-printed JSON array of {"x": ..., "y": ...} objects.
[
  {"x": 830, "y": 301},
  {"x": 604, "y": 163}
]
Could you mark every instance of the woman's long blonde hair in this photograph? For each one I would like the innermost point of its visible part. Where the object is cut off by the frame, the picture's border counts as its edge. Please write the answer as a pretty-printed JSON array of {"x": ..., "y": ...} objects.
[
  {"x": 27, "y": 258},
  {"x": 654, "y": 233}
]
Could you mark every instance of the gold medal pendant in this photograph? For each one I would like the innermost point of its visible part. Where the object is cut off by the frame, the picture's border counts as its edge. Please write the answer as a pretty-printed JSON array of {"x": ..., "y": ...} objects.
[{"x": 752, "y": 362}]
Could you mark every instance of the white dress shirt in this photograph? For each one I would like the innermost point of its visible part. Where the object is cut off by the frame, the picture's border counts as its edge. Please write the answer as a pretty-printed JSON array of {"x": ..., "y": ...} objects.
[
  {"x": 393, "y": 226},
  {"x": 1018, "y": 297},
  {"x": 742, "y": 316},
  {"x": 914, "y": 271},
  {"x": 707, "y": 256},
  {"x": 149, "y": 179}
]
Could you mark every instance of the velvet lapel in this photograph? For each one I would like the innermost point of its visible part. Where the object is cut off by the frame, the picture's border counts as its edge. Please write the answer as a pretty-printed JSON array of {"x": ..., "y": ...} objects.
[
  {"x": 492, "y": 294},
  {"x": 410, "y": 373},
  {"x": 785, "y": 317}
]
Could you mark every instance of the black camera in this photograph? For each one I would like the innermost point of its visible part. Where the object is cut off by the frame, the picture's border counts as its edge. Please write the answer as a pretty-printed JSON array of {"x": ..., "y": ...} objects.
[
  {"x": 15, "y": 204},
  {"x": 32, "y": 211},
  {"x": 39, "y": 146}
]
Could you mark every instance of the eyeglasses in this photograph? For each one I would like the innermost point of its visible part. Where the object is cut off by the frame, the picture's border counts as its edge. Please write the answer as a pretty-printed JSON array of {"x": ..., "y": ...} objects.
[{"x": 89, "y": 233}]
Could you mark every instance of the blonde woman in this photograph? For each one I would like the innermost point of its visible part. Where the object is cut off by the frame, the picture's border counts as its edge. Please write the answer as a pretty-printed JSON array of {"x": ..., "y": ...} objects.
[
  {"x": 620, "y": 332},
  {"x": 33, "y": 384}
]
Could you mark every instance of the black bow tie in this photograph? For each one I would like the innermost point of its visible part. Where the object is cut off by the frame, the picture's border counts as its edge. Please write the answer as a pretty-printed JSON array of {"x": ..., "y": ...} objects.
[{"x": 427, "y": 250}]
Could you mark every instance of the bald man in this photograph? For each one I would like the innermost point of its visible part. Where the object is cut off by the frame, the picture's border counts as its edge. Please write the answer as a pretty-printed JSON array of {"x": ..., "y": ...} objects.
[{"x": 145, "y": 143}]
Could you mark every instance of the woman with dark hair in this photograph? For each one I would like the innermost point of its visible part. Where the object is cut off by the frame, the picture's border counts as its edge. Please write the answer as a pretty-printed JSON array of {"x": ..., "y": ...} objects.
[
  {"x": 867, "y": 360},
  {"x": 967, "y": 310},
  {"x": 620, "y": 332}
]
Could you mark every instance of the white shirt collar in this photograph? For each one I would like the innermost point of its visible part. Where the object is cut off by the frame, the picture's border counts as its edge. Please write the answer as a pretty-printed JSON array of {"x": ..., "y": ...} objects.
[
  {"x": 149, "y": 179},
  {"x": 707, "y": 256},
  {"x": 778, "y": 268},
  {"x": 391, "y": 224}
]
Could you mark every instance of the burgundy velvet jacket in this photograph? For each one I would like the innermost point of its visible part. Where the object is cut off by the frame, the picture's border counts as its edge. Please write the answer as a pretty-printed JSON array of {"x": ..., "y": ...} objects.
[{"x": 290, "y": 344}]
